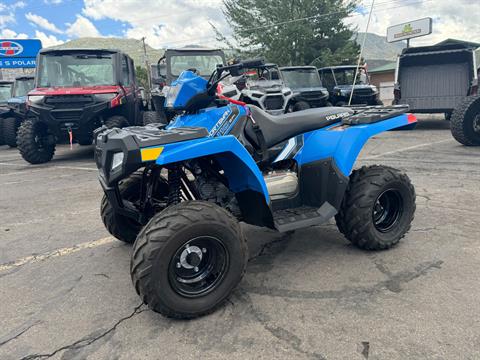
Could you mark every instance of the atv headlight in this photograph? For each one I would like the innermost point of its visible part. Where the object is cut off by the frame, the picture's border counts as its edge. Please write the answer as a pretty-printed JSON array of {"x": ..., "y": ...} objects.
[
  {"x": 172, "y": 95},
  {"x": 35, "y": 98},
  {"x": 105, "y": 97},
  {"x": 117, "y": 160}
]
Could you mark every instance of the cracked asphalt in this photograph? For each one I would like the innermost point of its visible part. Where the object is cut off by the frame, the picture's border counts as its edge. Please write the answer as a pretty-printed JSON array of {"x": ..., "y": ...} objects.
[{"x": 65, "y": 288}]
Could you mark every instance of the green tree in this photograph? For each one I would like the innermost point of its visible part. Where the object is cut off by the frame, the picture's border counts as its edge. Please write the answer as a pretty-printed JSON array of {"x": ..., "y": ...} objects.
[
  {"x": 142, "y": 77},
  {"x": 294, "y": 32}
]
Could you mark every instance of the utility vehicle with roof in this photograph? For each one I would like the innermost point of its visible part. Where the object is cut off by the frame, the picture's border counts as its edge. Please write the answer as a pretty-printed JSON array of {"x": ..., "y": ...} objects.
[
  {"x": 17, "y": 109},
  {"x": 178, "y": 192},
  {"x": 5, "y": 95},
  {"x": 77, "y": 91},
  {"x": 339, "y": 82},
  {"x": 308, "y": 91}
]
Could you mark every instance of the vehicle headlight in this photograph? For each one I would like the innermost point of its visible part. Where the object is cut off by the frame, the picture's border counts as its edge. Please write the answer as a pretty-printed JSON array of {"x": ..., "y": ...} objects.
[
  {"x": 117, "y": 160},
  {"x": 374, "y": 89},
  {"x": 287, "y": 93},
  {"x": 172, "y": 95},
  {"x": 105, "y": 97},
  {"x": 35, "y": 98}
]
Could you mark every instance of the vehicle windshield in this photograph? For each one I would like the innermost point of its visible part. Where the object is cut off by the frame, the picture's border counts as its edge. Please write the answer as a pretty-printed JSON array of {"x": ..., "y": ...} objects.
[
  {"x": 204, "y": 64},
  {"x": 74, "y": 70},
  {"x": 301, "y": 78},
  {"x": 346, "y": 76},
  {"x": 23, "y": 87},
  {"x": 5, "y": 92}
]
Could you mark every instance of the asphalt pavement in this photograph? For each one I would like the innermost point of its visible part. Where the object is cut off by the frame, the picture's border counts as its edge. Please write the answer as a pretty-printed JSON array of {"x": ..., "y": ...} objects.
[{"x": 66, "y": 293}]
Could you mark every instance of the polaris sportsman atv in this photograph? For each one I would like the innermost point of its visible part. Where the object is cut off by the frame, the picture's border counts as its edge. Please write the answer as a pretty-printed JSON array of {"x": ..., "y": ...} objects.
[
  {"x": 17, "y": 109},
  {"x": 308, "y": 91},
  {"x": 5, "y": 94},
  {"x": 178, "y": 192},
  {"x": 339, "y": 79},
  {"x": 77, "y": 91}
]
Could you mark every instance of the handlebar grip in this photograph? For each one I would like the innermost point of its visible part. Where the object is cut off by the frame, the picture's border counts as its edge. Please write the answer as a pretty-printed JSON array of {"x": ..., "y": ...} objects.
[{"x": 252, "y": 63}]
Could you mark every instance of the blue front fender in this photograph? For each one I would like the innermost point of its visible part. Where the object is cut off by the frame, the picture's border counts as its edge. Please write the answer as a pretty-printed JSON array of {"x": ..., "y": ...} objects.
[{"x": 239, "y": 167}]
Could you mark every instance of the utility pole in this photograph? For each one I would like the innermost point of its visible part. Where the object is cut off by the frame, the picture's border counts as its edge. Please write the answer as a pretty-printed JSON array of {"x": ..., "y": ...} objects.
[{"x": 149, "y": 75}]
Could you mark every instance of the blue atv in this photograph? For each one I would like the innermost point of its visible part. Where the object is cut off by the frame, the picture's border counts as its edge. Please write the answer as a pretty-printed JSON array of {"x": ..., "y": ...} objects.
[{"x": 179, "y": 192}]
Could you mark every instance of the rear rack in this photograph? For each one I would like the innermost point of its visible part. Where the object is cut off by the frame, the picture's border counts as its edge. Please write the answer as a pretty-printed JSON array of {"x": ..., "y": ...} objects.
[{"x": 373, "y": 114}]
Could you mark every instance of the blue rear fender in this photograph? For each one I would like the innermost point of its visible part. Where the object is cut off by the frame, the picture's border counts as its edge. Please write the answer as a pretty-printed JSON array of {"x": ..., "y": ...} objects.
[
  {"x": 239, "y": 167},
  {"x": 344, "y": 144}
]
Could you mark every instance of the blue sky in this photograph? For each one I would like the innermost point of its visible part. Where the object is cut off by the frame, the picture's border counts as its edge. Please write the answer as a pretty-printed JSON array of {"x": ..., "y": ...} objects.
[{"x": 182, "y": 22}]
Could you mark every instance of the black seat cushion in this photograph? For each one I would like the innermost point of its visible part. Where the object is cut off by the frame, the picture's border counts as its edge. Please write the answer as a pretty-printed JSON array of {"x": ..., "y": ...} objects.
[{"x": 276, "y": 129}]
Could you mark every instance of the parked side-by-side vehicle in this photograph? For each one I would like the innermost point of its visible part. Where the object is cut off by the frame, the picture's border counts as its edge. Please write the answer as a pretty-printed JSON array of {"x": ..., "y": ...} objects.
[
  {"x": 77, "y": 91},
  {"x": 308, "y": 91},
  {"x": 17, "y": 109},
  {"x": 339, "y": 82}
]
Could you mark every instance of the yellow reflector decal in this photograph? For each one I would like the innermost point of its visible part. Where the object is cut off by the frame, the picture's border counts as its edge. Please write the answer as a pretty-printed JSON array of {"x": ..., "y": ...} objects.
[{"x": 151, "y": 154}]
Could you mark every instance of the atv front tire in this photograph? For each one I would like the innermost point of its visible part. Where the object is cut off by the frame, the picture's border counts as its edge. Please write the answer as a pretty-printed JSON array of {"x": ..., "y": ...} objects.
[
  {"x": 10, "y": 128},
  {"x": 378, "y": 207},
  {"x": 116, "y": 121},
  {"x": 33, "y": 141},
  {"x": 188, "y": 259},
  {"x": 465, "y": 122}
]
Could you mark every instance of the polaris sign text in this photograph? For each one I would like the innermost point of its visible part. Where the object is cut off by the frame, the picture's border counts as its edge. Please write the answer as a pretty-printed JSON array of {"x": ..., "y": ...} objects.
[
  {"x": 409, "y": 30},
  {"x": 19, "y": 53}
]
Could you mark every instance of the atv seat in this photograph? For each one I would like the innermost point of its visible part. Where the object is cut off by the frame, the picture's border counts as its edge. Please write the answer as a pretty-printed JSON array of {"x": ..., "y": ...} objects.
[{"x": 276, "y": 129}]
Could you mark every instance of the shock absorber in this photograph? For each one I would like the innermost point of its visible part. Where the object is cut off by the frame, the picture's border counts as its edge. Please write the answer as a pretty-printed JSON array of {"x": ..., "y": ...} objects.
[{"x": 174, "y": 184}]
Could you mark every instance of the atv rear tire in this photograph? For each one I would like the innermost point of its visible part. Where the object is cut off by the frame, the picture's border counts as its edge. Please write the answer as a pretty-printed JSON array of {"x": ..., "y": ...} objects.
[
  {"x": 32, "y": 144},
  {"x": 153, "y": 117},
  {"x": 378, "y": 207},
  {"x": 301, "y": 105},
  {"x": 122, "y": 227},
  {"x": 116, "y": 121},
  {"x": 188, "y": 259},
  {"x": 10, "y": 128},
  {"x": 465, "y": 122}
]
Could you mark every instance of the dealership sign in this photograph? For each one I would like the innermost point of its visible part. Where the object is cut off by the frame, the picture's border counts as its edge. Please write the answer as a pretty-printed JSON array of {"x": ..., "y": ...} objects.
[
  {"x": 19, "y": 53},
  {"x": 409, "y": 30}
]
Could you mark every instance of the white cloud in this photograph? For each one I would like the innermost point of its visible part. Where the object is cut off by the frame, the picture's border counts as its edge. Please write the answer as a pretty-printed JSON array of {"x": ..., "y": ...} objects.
[
  {"x": 10, "y": 34},
  {"x": 47, "y": 40},
  {"x": 174, "y": 23},
  {"x": 52, "y": 2},
  {"x": 42, "y": 23},
  {"x": 82, "y": 27},
  {"x": 451, "y": 19}
]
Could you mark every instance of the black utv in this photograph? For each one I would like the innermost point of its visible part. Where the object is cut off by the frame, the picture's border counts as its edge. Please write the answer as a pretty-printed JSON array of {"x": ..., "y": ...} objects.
[
  {"x": 17, "y": 109},
  {"x": 308, "y": 91},
  {"x": 339, "y": 82},
  {"x": 5, "y": 95},
  {"x": 77, "y": 91}
]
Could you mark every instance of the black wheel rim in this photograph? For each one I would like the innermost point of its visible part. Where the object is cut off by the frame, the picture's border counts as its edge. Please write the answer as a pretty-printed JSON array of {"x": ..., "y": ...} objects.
[
  {"x": 41, "y": 137},
  {"x": 476, "y": 124},
  {"x": 198, "y": 266},
  {"x": 387, "y": 210}
]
